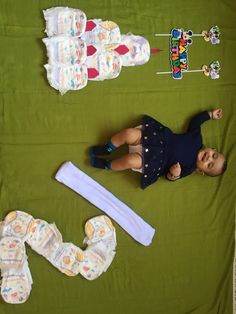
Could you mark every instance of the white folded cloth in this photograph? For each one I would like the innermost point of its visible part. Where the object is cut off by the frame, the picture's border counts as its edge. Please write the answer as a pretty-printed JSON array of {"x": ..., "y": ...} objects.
[{"x": 96, "y": 194}]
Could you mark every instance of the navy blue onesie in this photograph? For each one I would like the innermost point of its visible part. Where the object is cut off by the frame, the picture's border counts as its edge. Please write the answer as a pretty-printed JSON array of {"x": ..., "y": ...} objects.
[{"x": 162, "y": 148}]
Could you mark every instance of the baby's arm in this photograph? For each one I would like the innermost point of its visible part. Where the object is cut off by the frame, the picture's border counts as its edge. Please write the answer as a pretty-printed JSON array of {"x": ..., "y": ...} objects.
[
  {"x": 174, "y": 172},
  {"x": 216, "y": 114},
  {"x": 204, "y": 116}
]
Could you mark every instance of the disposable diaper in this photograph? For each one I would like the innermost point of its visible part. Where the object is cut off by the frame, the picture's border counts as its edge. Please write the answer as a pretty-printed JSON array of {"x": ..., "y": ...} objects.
[{"x": 63, "y": 20}]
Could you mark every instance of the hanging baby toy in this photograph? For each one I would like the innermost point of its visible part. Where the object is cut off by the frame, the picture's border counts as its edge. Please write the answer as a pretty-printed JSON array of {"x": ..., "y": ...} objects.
[
  {"x": 80, "y": 50},
  {"x": 180, "y": 39}
]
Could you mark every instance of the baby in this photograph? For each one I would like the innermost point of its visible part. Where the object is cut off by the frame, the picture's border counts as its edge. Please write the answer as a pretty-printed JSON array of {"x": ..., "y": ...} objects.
[{"x": 154, "y": 150}]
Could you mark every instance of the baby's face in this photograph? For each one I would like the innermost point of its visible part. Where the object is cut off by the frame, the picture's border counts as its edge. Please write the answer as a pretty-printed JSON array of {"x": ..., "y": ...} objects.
[{"x": 210, "y": 161}]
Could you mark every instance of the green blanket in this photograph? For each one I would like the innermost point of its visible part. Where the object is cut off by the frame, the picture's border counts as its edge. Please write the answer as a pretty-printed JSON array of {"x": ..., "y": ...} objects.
[{"x": 188, "y": 267}]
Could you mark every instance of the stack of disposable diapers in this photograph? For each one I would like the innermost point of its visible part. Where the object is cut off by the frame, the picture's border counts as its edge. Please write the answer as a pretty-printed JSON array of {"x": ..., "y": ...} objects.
[
  {"x": 19, "y": 227},
  {"x": 80, "y": 50}
]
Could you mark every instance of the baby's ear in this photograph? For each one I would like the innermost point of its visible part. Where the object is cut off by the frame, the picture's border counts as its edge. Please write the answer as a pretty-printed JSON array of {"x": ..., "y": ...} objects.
[{"x": 201, "y": 172}]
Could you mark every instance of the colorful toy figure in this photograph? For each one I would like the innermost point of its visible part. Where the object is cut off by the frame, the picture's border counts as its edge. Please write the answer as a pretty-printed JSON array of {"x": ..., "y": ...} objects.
[
  {"x": 181, "y": 33},
  {"x": 212, "y": 70},
  {"x": 212, "y": 35}
]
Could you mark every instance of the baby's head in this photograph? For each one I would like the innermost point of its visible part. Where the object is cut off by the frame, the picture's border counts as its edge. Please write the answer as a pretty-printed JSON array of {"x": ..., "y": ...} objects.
[{"x": 210, "y": 162}]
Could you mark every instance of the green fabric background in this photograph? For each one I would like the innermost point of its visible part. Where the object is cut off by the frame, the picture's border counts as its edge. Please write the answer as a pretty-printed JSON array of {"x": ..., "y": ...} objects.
[{"x": 188, "y": 267}]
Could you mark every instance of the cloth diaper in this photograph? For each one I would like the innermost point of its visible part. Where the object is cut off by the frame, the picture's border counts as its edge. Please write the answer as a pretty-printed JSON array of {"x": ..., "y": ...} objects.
[
  {"x": 16, "y": 285},
  {"x": 79, "y": 49},
  {"x": 67, "y": 259},
  {"x": 107, "y": 65},
  {"x": 100, "y": 228},
  {"x": 139, "y": 50},
  {"x": 44, "y": 238},
  {"x": 101, "y": 241},
  {"x": 16, "y": 224},
  {"x": 47, "y": 241},
  {"x": 63, "y": 20},
  {"x": 101, "y": 32},
  {"x": 16, "y": 277},
  {"x": 12, "y": 253},
  {"x": 97, "y": 259},
  {"x": 64, "y": 78},
  {"x": 62, "y": 50}
]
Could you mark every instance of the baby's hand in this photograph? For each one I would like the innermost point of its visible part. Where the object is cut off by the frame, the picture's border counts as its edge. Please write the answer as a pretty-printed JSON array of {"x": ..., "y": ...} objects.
[
  {"x": 216, "y": 114},
  {"x": 175, "y": 170}
]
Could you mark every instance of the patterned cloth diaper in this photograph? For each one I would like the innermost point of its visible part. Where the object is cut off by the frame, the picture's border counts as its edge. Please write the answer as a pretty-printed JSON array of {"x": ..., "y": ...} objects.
[
  {"x": 139, "y": 50},
  {"x": 101, "y": 32},
  {"x": 44, "y": 238},
  {"x": 96, "y": 261},
  {"x": 16, "y": 224},
  {"x": 96, "y": 258},
  {"x": 80, "y": 50},
  {"x": 62, "y": 50},
  {"x": 63, "y": 20},
  {"x": 16, "y": 285},
  {"x": 107, "y": 65},
  {"x": 101, "y": 240},
  {"x": 64, "y": 78},
  {"x": 67, "y": 259},
  {"x": 99, "y": 228},
  {"x": 12, "y": 253}
]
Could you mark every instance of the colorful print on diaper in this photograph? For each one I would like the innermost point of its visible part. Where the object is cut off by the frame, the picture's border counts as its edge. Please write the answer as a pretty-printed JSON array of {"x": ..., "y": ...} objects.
[
  {"x": 44, "y": 238},
  {"x": 12, "y": 253},
  {"x": 71, "y": 22},
  {"x": 67, "y": 259},
  {"x": 17, "y": 223},
  {"x": 15, "y": 289}
]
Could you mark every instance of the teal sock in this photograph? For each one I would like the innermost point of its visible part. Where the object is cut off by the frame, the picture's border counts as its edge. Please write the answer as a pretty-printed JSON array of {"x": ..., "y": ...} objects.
[
  {"x": 111, "y": 147},
  {"x": 101, "y": 150},
  {"x": 100, "y": 163}
]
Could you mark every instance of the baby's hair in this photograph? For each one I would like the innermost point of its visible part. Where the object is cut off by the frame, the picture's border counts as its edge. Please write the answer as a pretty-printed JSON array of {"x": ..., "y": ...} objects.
[{"x": 224, "y": 167}]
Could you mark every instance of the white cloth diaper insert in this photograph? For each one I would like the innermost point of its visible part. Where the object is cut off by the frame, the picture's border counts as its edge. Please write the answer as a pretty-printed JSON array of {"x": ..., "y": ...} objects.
[{"x": 96, "y": 194}]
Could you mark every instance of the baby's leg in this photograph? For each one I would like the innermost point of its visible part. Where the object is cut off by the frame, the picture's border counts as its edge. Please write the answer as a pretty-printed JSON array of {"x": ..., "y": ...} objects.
[
  {"x": 129, "y": 161},
  {"x": 129, "y": 136},
  {"x": 133, "y": 160}
]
